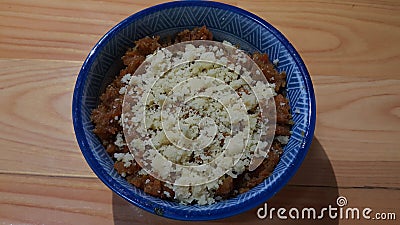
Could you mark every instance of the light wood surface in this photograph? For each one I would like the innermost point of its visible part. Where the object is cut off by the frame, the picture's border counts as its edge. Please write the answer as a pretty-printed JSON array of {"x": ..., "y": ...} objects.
[{"x": 352, "y": 51}]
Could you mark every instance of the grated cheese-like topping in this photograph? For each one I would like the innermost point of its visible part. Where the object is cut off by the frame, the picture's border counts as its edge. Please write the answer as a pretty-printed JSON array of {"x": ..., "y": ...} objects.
[
  {"x": 119, "y": 141},
  {"x": 126, "y": 158},
  {"x": 283, "y": 139},
  {"x": 186, "y": 117}
]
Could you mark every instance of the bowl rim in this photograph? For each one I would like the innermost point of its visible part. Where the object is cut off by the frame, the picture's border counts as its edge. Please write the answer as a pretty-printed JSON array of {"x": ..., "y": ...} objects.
[{"x": 138, "y": 201}]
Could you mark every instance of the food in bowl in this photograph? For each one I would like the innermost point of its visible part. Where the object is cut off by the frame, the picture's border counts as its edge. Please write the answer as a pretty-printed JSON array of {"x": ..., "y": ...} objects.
[
  {"x": 108, "y": 120},
  {"x": 226, "y": 22}
]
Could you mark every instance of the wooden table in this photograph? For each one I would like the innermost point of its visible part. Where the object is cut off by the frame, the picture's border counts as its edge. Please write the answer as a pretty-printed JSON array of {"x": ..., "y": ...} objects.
[{"x": 351, "y": 48}]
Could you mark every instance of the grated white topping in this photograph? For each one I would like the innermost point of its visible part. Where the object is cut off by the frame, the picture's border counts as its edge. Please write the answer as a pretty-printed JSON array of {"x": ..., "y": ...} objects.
[
  {"x": 283, "y": 139},
  {"x": 119, "y": 141},
  {"x": 126, "y": 158},
  {"x": 200, "y": 121}
]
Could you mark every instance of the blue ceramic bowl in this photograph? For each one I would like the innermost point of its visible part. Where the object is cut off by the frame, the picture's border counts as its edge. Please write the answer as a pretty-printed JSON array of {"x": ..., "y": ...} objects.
[{"x": 226, "y": 22}]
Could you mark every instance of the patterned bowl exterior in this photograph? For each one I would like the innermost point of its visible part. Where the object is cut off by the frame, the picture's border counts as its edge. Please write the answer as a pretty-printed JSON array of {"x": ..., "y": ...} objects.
[{"x": 226, "y": 22}]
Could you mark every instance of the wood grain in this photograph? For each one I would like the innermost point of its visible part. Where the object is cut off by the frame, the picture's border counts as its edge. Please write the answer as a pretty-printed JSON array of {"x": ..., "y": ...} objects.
[
  {"x": 351, "y": 49},
  {"x": 343, "y": 38},
  {"x": 334, "y": 38},
  {"x": 64, "y": 200},
  {"x": 36, "y": 121}
]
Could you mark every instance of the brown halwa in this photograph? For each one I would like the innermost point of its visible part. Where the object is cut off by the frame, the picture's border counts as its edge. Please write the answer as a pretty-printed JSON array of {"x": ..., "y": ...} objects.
[{"x": 106, "y": 119}]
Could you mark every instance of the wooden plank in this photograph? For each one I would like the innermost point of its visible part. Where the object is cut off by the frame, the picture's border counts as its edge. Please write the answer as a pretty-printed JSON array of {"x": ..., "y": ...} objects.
[
  {"x": 26, "y": 199},
  {"x": 335, "y": 38},
  {"x": 345, "y": 38},
  {"x": 36, "y": 130}
]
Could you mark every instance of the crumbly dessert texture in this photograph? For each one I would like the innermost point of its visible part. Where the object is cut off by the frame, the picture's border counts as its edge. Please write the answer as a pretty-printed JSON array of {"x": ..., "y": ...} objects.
[
  {"x": 218, "y": 90},
  {"x": 108, "y": 122}
]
